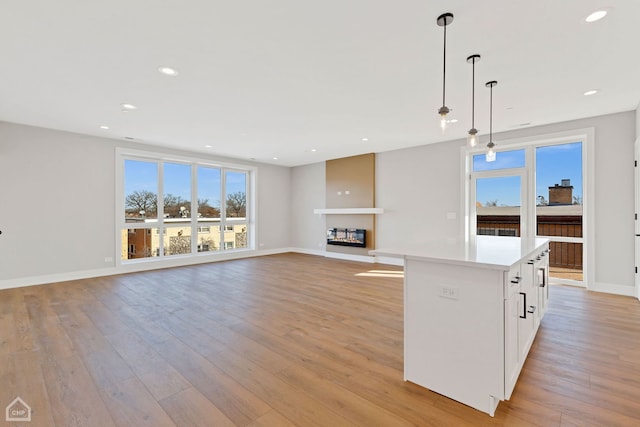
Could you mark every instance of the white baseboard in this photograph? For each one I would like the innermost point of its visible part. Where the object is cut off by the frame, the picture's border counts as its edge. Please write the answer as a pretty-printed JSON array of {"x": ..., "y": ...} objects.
[
  {"x": 336, "y": 255},
  {"x": 348, "y": 257},
  {"x": 132, "y": 267},
  {"x": 56, "y": 277},
  {"x": 307, "y": 251},
  {"x": 613, "y": 288},
  {"x": 390, "y": 260}
]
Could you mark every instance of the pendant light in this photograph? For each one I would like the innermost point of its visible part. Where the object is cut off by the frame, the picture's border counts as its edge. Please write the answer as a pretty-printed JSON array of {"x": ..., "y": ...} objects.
[
  {"x": 444, "y": 20},
  {"x": 491, "y": 154},
  {"x": 472, "y": 138}
]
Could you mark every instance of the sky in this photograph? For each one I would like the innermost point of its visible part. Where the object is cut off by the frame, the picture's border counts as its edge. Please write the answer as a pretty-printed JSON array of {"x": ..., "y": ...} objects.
[
  {"x": 143, "y": 175},
  {"x": 553, "y": 164}
]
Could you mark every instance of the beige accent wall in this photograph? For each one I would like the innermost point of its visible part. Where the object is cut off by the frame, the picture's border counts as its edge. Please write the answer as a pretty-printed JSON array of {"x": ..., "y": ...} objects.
[{"x": 350, "y": 183}]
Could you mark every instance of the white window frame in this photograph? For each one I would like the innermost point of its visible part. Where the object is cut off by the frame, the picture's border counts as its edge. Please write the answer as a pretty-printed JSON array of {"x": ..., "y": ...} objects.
[
  {"x": 587, "y": 137},
  {"x": 122, "y": 154}
]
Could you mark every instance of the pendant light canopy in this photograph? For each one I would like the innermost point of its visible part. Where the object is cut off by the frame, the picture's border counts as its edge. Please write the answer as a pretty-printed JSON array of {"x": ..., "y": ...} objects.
[
  {"x": 444, "y": 20},
  {"x": 491, "y": 154},
  {"x": 472, "y": 138}
]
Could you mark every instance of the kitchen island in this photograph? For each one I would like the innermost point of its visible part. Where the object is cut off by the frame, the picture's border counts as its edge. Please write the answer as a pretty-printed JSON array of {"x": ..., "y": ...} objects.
[{"x": 471, "y": 312}]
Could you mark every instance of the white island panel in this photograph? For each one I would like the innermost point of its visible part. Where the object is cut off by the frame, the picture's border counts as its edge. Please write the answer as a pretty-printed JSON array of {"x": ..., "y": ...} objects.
[{"x": 461, "y": 300}]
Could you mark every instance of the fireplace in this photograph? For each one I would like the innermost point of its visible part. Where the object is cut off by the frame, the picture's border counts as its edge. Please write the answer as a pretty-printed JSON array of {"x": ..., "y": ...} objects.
[{"x": 355, "y": 237}]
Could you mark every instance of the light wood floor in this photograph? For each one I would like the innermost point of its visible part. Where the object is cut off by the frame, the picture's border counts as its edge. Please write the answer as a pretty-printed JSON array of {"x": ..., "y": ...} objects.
[{"x": 287, "y": 340}]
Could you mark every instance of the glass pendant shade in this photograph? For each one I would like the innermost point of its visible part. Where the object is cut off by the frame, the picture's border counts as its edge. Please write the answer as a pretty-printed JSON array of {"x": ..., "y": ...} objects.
[
  {"x": 443, "y": 111},
  {"x": 473, "y": 138},
  {"x": 491, "y": 154}
]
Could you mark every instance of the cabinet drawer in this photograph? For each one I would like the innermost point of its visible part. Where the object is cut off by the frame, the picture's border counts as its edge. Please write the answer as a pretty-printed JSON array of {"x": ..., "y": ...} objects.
[{"x": 512, "y": 282}]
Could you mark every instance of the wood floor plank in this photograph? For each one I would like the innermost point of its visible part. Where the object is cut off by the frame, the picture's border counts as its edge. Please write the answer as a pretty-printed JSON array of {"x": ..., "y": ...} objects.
[
  {"x": 130, "y": 404},
  {"x": 342, "y": 401},
  {"x": 160, "y": 378},
  {"x": 271, "y": 419},
  {"x": 73, "y": 395},
  {"x": 226, "y": 392},
  {"x": 278, "y": 394},
  {"x": 190, "y": 408},
  {"x": 21, "y": 376}
]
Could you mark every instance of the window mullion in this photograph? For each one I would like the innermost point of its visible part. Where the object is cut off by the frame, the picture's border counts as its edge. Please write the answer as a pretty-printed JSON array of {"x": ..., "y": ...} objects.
[
  {"x": 160, "y": 209},
  {"x": 223, "y": 206},
  {"x": 194, "y": 208}
]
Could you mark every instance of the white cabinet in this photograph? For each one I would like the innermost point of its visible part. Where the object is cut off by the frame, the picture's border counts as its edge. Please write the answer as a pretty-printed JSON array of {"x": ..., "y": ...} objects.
[
  {"x": 467, "y": 326},
  {"x": 526, "y": 297},
  {"x": 527, "y": 316},
  {"x": 511, "y": 322}
]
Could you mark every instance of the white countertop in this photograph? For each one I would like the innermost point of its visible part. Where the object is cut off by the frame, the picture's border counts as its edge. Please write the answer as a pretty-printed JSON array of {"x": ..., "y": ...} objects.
[{"x": 492, "y": 252}]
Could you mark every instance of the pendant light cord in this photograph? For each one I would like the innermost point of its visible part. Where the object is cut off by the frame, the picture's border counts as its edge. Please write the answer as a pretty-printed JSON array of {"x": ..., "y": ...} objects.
[
  {"x": 473, "y": 93},
  {"x": 444, "y": 62},
  {"x": 491, "y": 114}
]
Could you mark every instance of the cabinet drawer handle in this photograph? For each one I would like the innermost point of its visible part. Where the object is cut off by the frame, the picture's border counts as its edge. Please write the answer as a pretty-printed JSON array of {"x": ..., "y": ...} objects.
[
  {"x": 532, "y": 309},
  {"x": 524, "y": 306},
  {"x": 516, "y": 279},
  {"x": 543, "y": 273}
]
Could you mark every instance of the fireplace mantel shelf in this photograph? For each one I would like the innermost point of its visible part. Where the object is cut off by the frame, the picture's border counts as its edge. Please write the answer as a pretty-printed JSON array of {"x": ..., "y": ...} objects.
[{"x": 349, "y": 211}]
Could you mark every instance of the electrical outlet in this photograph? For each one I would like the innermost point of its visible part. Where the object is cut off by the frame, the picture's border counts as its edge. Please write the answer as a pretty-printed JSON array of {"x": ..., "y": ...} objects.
[{"x": 448, "y": 292}]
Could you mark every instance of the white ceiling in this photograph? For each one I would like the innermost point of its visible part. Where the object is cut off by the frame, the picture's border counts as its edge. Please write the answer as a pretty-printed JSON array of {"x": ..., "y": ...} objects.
[{"x": 262, "y": 79}]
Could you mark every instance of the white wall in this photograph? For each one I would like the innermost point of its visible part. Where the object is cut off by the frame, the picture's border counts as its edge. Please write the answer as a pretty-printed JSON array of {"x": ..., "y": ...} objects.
[
  {"x": 57, "y": 192},
  {"x": 274, "y": 208},
  {"x": 418, "y": 186},
  {"x": 309, "y": 193}
]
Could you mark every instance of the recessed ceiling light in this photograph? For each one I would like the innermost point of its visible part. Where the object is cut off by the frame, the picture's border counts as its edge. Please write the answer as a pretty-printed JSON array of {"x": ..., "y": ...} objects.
[
  {"x": 590, "y": 92},
  {"x": 168, "y": 71},
  {"x": 365, "y": 139},
  {"x": 128, "y": 107},
  {"x": 313, "y": 150},
  {"x": 275, "y": 158},
  {"x": 208, "y": 146},
  {"x": 596, "y": 16},
  {"x": 129, "y": 138},
  {"x": 104, "y": 127}
]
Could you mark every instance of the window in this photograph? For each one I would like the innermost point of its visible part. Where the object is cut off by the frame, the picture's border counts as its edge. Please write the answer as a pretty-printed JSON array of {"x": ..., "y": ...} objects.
[
  {"x": 181, "y": 207},
  {"x": 536, "y": 188}
]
